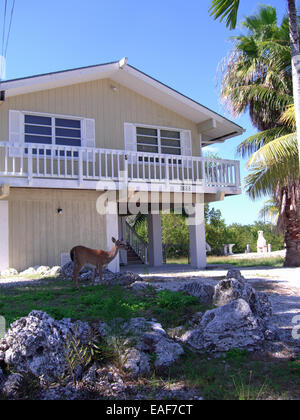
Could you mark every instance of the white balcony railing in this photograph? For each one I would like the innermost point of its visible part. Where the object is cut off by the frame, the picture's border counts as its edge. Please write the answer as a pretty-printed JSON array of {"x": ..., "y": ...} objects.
[{"x": 37, "y": 161}]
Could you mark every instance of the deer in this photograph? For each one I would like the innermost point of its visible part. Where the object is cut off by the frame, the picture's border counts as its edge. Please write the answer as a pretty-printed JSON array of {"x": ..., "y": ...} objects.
[{"x": 80, "y": 255}]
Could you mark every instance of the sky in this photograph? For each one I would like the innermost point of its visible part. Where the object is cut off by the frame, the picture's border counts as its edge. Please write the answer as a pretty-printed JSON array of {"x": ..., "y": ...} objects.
[{"x": 174, "y": 41}]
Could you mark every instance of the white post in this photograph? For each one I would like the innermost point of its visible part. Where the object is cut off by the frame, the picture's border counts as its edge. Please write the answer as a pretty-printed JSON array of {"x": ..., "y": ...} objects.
[
  {"x": 112, "y": 230},
  {"x": 29, "y": 160},
  {"x": 197, "y": 236},
  {"x": 155, "y": 256},
  {"x": 122, "y": 234},
  {"x": 4, "y": 235},
  {"x": 80, "y": 167},
  {"x": 230, "y": 248}
]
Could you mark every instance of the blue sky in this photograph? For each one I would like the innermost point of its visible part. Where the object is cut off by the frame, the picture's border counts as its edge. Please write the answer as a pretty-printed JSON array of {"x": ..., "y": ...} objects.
[{"x": 174, "y": 41}]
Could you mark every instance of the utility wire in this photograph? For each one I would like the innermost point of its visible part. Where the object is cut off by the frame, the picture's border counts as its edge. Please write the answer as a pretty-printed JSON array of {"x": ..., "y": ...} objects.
[
  {"x": 4, "y": 24},
  {"x": 9, "y": 28}
]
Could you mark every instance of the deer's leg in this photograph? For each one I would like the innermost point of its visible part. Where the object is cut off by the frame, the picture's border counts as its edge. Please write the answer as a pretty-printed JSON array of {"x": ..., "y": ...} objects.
[
  {"x": 76, "y": 270},
  {"x": 100, "y": 272},
  {"x": 95, "y": 273}
]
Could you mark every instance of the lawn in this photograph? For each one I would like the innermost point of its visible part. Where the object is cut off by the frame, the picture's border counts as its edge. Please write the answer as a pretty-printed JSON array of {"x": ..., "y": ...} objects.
[
  {"x": 239, "y": 376},
  {"x": 247, "y": 262},
  {"x": 61, "y": 300},
  {"x": 238, "y": 262}
]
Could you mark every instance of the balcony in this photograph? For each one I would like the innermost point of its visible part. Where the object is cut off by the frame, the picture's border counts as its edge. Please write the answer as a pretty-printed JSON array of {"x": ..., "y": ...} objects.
[{"x": 47, "y": 166}]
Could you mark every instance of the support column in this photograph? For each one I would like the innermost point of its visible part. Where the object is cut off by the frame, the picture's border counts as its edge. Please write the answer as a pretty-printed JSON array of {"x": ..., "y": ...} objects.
[
  {"x": 112, "y": 230},
  {"x": 122, "y": 236},
  {"x": 4, "y": 235},
  {"x": 196, "y": 223},
  {"x": 155, "y": 256}
]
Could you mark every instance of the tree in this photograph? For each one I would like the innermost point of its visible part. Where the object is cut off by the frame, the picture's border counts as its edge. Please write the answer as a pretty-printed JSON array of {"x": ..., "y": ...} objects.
[
  {"x": 229, "y": 8},
  {"x": 270, "y": 211},
  {"x": 258, "y": 78}
]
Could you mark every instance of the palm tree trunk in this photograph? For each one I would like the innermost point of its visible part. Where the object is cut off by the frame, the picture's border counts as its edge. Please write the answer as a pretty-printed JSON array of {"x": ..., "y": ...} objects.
[
  {"x": 292, "y": 229},
  {"x": 294, "y": 36}
]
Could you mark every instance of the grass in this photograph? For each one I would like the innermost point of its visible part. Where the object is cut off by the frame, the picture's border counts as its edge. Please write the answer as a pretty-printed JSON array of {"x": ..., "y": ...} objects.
[
  {"x": 61, "y": 300},
  {"x": 239, "y": 377},
  {"x": 238, "y": 262},
  {"x": 247, "y": 262},
  {"x": 178, "y": 260}
]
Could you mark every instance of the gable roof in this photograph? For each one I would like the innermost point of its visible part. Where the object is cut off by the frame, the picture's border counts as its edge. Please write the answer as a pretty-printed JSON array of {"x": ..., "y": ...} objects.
[{"x": 213, "y": 126}]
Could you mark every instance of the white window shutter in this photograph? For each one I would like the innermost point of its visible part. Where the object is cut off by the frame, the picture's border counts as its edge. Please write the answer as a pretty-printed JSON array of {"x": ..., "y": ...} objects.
[
  {"x": 16, "y": 133},
  {"x": 88, "y": 136},
  {"x": 186, "y": 145},
  {"x": 130, "y": 140}
]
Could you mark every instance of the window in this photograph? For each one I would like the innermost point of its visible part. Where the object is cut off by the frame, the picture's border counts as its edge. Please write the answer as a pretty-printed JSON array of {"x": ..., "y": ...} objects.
[
  {"x": 49, "y": 130},
  {"x": 156, "y": 140},
  {"x": 52, "y": 130},
  {"x": 170, "y": 142}
]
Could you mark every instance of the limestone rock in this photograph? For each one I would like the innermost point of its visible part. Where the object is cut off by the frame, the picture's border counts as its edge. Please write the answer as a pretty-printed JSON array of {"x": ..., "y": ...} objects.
[
  {"x": 147, "y": 341},
  {"x": 136, "y": 362},
  {"x": 2, "y": 378},
  {"x": 42, "y": 270},
  {"x": 203, "y": 291},
  {"x": 54, "y": 272},
  {"x": 37, "y": 344},
  {"x": 108, "y": 278},
  {"x": 31, "y": 271},
  {"x": 9, "y": 272},
  {"x": 12, "y": 386},
  {"x": 230, "y": 326},
  {"x": 121, "y": 279},
  {"x": 235, "y": 273},
  {"x": 231, "y": 289},
  {"x": 139, "y": 286}
]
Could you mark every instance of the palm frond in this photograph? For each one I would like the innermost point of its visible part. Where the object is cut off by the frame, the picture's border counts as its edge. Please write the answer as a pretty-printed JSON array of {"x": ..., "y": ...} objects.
[
  {"x": 225, "y": 9},
  {"x": 288, "y": 117},
  {"x": 253, "y": 143},
  {"x": 261, "y": 181},
  {"x": 269, "y": 210},
  {"x": 282, "y": 151}
]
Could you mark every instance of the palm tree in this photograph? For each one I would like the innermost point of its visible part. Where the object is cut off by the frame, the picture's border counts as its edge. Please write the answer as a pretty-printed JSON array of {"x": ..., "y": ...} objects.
[
  {"x": 256, "y": 75},
  {"x": 270, "y": 211},
  {"x": 258, "y": 78},
  {"x": 228, "y": 9},
  {"x": 275, "y": 170}
]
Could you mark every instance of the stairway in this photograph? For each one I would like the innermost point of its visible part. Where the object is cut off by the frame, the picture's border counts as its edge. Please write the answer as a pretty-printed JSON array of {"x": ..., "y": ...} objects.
[
  {"x": 133, "y": 258},
  {"x": 138, "y": 248}
]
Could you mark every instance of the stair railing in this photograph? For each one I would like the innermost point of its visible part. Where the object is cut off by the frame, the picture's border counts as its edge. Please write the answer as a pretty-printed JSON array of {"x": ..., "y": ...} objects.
[{"x": 137, "y": 243}]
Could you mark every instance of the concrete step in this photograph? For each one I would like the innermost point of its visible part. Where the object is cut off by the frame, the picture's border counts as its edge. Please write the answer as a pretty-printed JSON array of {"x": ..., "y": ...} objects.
[{"x": 133, "y": 258}]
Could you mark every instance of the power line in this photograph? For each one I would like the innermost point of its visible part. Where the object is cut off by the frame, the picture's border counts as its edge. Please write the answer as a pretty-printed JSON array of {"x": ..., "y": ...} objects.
[
  {"x": 9, "y": 28},
  {"x": 4, "y": 24}
]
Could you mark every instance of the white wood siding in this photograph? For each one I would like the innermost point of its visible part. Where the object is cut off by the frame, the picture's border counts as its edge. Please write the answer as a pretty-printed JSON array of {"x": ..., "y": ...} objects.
[
  {"x": 38, "y": 235},
  {"x": 97, "y": 100}
]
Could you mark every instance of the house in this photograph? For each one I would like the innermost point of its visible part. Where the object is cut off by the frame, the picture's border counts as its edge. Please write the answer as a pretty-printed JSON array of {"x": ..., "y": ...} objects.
[{"x": 75, "y": 140}]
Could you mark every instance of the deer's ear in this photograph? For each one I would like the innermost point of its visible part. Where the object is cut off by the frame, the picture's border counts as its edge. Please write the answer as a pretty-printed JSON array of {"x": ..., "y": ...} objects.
[{"x": 113, "y": 239}]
